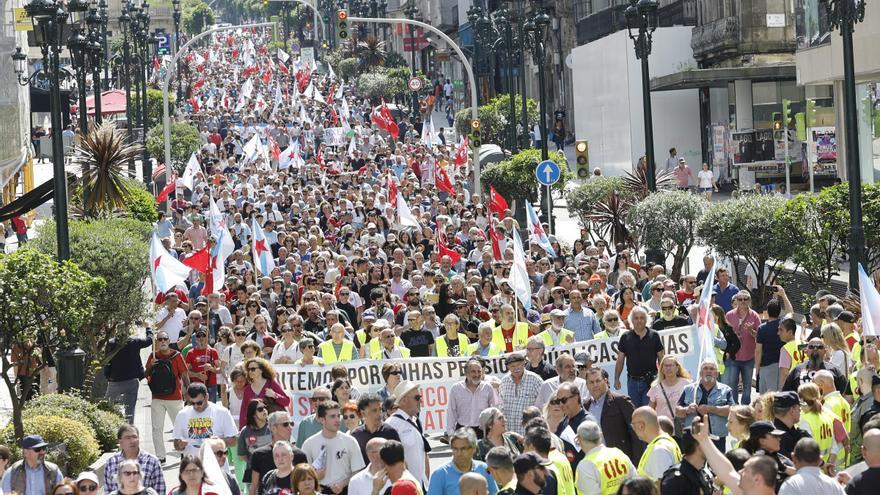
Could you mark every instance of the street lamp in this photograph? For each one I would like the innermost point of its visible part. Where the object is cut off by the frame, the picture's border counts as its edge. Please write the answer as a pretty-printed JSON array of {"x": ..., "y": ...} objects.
[
  {"x": 843, "y": 15},
  {"x": 105, "y": 17},
  {"x": 176, "y": 16},
  {"x": 48, "y": 20},
  {"x": 96, "y": 56},
  {"x": 79, "y": 47},
  {"x": 537, "y": 26},
  {"x": 411, "y": 12},
  {"x": 125, "y": 21},
  {"x": 641, "y": 22},
  {"x": 496, "y": 35}
]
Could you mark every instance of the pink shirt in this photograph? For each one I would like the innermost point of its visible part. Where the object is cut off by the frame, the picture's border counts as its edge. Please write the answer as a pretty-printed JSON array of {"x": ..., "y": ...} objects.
[
  {"x": 672, "y": 393},
  {"x": 683, "y": 175},
  {"x": 746, "y": 338},
  {"x": 281, "y": 398}
]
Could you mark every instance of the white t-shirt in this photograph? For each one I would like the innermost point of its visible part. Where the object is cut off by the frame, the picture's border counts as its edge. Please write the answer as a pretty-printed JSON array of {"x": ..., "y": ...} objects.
[
  {"x": 706, "y": 178},
  {"x": 362, "y": 483},
  {"x": 195, "y": 427},
  {"x": 341, "y": 456},
  {"x": 174, "y": 324},
  {"x": 292, "y": 352}
]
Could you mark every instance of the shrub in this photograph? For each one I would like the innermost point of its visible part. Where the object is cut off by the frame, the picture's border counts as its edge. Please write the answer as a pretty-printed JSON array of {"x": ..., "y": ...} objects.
[
  {"x": 102, "y": 418},
  {"x": 668, "y": 220},
  {"x": 140, "y": 203},
  {"x": 514, "y": 178},
  {"x": 185, "y": 140},
  {"x": 347, "y": 68},
  {"x": 72, "y": 445}
]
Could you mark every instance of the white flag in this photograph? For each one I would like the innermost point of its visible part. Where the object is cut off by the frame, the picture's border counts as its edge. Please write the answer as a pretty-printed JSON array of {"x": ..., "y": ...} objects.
[
  {"x": 405, "y": 214},
  {"x": 252, "y": 148},
  {"x": 189, "y": 174},
  {"x": 352, "y": 146},
  {"x": 283, "y": 56},
  {"x": 870, "y": 303},
  {"x": 519, "y": 277}
]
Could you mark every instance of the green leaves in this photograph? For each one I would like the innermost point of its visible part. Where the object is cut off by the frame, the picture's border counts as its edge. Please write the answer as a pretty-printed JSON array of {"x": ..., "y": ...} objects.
[
  {"x": 495, "y": 116},
  {"x": 515, "y": 177},
  {"x": 184, "y": 141},
  {"x": 103, "y": 155},
  {"x": 668, "y": 220}
]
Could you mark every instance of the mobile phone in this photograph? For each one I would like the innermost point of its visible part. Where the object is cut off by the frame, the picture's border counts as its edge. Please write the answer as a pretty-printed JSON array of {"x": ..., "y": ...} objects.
[{"x": 695, "y": 427}]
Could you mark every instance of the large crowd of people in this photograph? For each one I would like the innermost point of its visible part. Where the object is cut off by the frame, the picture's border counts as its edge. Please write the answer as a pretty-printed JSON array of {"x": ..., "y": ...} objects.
[{"x": 326, "y": 267}]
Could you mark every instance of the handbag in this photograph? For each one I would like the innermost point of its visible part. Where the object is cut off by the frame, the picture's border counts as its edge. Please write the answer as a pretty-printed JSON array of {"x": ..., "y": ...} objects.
[{"x": 676, "y": 421}]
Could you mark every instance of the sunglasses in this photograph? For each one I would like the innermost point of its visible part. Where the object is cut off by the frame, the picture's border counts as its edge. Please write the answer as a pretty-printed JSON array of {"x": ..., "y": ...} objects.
[
  {"x": 253, "y": 368},
  {"x": 131, "y": 473},
  {"x": 657, "y": 289},
  {"x": 351, "y": 416},
  {"x": 239, "y": 334},
  {"x": 817, "y": 347},
  {"x": 667, "y": 308},
  {"x": 39, "y": 449},
  {"x": 320, "y": 399},
  {"x": 261, "y": 409},
  {"x": 557, "y": 402},
  {"x": 611, "y": 319},
  {"x": 286, "y": 424},
  {"x": 88, "y": 488},
  {"x": 162, "y": 339},
  {"x": 220, "y": 453},
  {"x": 198, "y": 403},
  {"x": 201, "y": 335}
]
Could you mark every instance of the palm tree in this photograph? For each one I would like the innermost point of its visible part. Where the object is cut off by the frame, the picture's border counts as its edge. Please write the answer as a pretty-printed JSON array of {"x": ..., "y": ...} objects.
[
  {"x": 103, "y": 155},
  {"x": 371, "y": 51}
]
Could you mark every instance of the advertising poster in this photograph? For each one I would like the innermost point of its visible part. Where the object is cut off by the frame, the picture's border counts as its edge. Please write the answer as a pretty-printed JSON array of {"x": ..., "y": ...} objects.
[{"x": 825, "y": 139}]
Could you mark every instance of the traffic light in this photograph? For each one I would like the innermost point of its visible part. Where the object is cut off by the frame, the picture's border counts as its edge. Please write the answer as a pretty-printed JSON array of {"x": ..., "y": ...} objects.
[
  {"x": 811, "y": 113},
  {"x": 786, "y": 113},
  {"x": 476, "y": 138},
  {"x": 342, "y": 24},
  {"x": 777, "y": 121},
  {"x": 582, "y": 152}
]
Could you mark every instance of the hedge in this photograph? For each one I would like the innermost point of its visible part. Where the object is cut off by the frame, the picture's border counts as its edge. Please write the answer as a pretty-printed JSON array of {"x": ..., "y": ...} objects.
[
  {"x": 102, "y": 422},
  {"x": 71, "y": 444}
]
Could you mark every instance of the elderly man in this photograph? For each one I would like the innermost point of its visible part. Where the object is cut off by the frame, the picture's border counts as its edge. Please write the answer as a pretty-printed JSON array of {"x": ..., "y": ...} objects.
[
  {"x": 262, "y": 460},
  {"x": 708, "y": 396},
  {"x": 518, "y": 390},
  {"x": 406, "y": 421},
  {"x": 391, "y": 347},
  {"x": 535, "y": 355},
  {"x": 444, "y": 481},
  {"x": 555, "y": 335},
  {"x": 510, "y": 335},
  {"x": 484, "y": 347},
  {"x": 581, "y": 319},
  {"x": 590, "y": 478},
  {"x": 33, "y": 474},
  {"x": 362, "y": 483},
  {"x": 640, "y": 350},
  {"x": 338, "y": 348},
  {"x": 310, "y": 425},
  {"x": 566, "y": 368},
  {"x": 745, "y": 322},
  {"x": 468, "y": 398}
]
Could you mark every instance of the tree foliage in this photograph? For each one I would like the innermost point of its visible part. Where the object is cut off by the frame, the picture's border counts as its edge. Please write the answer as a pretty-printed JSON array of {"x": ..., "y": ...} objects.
[
  {"x": 835, "y": 201},
  {"x": 811, "y": 220},
  {"x": 73, "y": 446},
  {"x": 668, "y": 220},
  {"x": 514, "y": 178},
  {"x": 154, "y": 105},
  {"x": 103, "y": 155},
  {"x": 196, "y": 16},
  {"x": 750, "y": 229},
  {"x": 46, "y": 305},
  {"x": 494, "y": 117},
  {"x": 140, "y": 203},
  {"x": 185, "y": 140},
  {"x": 114, "y": 250},
  {"x": 347, "y": 68}
]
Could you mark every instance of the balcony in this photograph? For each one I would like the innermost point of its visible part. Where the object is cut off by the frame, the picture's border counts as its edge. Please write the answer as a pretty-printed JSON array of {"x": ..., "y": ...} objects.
[{"x": 718, "y": 39}]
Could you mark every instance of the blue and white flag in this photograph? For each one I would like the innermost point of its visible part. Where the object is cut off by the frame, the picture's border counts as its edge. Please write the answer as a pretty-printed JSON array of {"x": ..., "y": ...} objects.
[
  {"x": 536, "y": 232},
  {"x": 519, "y": 277},
  {"x": 262, "y": 252}
]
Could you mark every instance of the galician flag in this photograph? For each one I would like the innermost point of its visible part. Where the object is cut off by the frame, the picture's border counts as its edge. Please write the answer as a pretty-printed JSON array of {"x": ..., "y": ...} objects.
[
  {"x": 167, "y": 271},
  {"x": 705, "y": 320},
  {"x": 189, "y": 174},
  {"x": 519, "y": 277},
  {"x": 261, "y": 251},
  {"x": 405, "y": 214},
  {"x": 536, "y": 232},
  {"x": 870, "y": 302}
]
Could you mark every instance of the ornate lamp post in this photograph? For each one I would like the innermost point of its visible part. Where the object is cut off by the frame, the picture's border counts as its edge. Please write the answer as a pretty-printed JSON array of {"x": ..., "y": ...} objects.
[
  {"x": 843, "y": 15},
  {"x": 48, "y": 18},
  {"x": 105, "y": 17},
  {"x": 145, "y": 42},
  {"x": 125, "y": 21},
  {"x": 537, "y": 26},
  {"x": 496, "y": 35},
  {"x": 79, "y": 48},
  {"x": 96, "y": 56},
  {"x": 641, "y": 22},
  {"x": 176, "y": 16}
]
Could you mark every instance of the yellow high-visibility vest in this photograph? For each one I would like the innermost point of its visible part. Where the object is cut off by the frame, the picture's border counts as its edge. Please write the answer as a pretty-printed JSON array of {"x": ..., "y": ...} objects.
[
  {"x": 547, "y": 338},
  {"x": 668, "y": 442},
  {"x": 613, "y": 466},
  {"x": 822, "y": 429},
  {"x": 562, "y": 469},
  {"x": 494, "y": 350},
  {"x": 841, "y": 408},
  {"x": 328, "y": 353},
  {"x": 796, "y": 356},
  {"x": 520, "y": 336},
  {"x": 378, "y": 354},
  {"x": 443, "y": 349}
]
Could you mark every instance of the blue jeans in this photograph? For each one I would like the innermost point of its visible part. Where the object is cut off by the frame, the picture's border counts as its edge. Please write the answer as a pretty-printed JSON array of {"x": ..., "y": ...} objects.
[
  {"x": 638, "y": 391},
  {"x": 733, "y": 370}
]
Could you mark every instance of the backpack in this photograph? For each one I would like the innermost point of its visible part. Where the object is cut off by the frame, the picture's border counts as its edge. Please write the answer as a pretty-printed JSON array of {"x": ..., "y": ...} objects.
[
  {"x": 162, "y": 380},
  {"x": 733, "y": 343}
]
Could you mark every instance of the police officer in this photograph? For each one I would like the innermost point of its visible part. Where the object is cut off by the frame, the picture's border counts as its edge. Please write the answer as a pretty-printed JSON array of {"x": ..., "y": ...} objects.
[
  {"x": 690, "y": 476},
  {"x": 787, "y": 411}
]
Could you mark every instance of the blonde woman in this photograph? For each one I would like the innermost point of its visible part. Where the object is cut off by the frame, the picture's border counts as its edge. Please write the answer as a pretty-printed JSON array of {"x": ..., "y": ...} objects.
[
  {"x": 836, "y": 350},
  {"x": 818, "y": 422},
  {"x": 763, "y": 406},
  {"x": 667, "y": 388},
  {"x": 553, "y": 412},
  {"x": 738, "y": 422}
]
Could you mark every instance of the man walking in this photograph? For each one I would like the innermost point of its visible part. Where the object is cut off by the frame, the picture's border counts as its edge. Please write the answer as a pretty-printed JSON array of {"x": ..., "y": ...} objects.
[
  {"x": 262, "y": 460},
  {"x": 165, "y": 370},
  {"x": 125, "y": 371},
  {"x": 334, "y": 455},
  {"x": 409, "y": 427},
  {"x": 201, "y": 420},
  {"x": 745, "y": 322},
  {"x": 519, "y": 390},
  {"x": 590, "y": 478},
  {"x": 531, "y": 473},
  {"x": 640, "y": 350},
  {"x": 707, "y": 397},
  {"x": 614, "y": 414},
  {"x": 444, "y": 481},
  {"x": 662, "y": 451},
  {"x": 370, "y": 410},
  {"x": 128, "y": 438}
]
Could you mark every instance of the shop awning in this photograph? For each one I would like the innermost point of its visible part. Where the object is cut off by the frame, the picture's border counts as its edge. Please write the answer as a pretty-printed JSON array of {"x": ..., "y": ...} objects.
[
  {"x": 112, "y": 101},
  {"x": 718, "y": 78}
]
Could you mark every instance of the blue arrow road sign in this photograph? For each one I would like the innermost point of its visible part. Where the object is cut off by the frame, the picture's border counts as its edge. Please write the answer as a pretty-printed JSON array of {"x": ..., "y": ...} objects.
[{"x": 547, "y": 172}]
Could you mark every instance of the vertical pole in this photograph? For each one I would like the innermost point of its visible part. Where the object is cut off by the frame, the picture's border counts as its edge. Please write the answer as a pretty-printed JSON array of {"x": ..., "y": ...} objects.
[
  {"x": 126, "y": 85},
  {"x": 81, "y": 81},
  {"x": 97, "y": 76},
  {"x": 649, "y": 121},
  {"x": 853, "y": 166},
  {"x": 511, "y": 84},
  {"x": 60, "y": 175},
  {"x": 146, "y": 164},
  {"x": 785, "y": 159},
  {"x": 542, "y": 94}
]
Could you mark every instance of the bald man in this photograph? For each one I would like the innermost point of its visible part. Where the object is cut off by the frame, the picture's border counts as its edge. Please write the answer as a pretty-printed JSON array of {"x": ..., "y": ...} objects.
[
  {"x": 472, "y": 484},
  {"x": 867, "y": 481},
  {"x": 662, "y": 451},
  {"x": 362, "y": 483}
]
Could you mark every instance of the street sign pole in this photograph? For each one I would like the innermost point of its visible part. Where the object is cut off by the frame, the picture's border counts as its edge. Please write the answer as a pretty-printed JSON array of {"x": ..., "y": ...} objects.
[{"x": 548, "y": 173}]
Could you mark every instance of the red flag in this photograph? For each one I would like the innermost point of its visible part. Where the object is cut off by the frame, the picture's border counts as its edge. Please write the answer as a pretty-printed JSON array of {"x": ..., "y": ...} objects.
[
  {"x": 200, "y": 260},
  {"x": 195, "y": 103},
  {"x": 320, "y": 157},
  {"x": 330, "y": 94},
  {"x": 442, "y": 250},
  {"x": 443, "y": 181},
  {"x": 497, "y": 203},
  {"x": 334, "y": 116},
  {"x": 267, "y": 76},
  {"x": 199, "y": 84},
  {"x": 249, "y": 71},
  {"x": 283, "y": 68},
  {"x": 167, "y": 190},
  {"x": 392, "y": 192},
  {"x": 229, "y": 40},
  {"x": 273, "y": 147},
  {"x": 461, "y": 155},
  {"x": 496, "y": 239},
  {"x": 392, "y": 128},
  {"x": 234, "y": 53},
  {"x": 156, "y": 64},
  {"x": 262, "y": 49}
]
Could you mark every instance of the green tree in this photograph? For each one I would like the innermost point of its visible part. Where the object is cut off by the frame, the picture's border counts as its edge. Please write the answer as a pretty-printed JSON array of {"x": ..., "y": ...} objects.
[
  {"x": 103, "y": 155},
  {"x": 375, "y": 85},
  {"x": 196, "y": 16},
  {"x": 372, "y": 52},
  {"x": 113, "y": 250},
  {"x": 750, "y": 230},
  {"x": 185, "y": 140},
  {"x": 495, "y": 118},
  {"x": 514, "y": 178},
  {"x": 45, "y": 306},
  {"x": 154, "y": 105},
  {"x": 347, "y": 68},
  {"x": 835, "y": 201},
  {"x": 668, "y": 220},
  {"x": 811, "y": 220}
]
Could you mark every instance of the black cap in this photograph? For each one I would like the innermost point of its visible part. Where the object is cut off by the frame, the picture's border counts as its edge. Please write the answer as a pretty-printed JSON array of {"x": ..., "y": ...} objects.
[
  {"x": 528, "y": 461},
  {"x": 846, "y": 316},
  {"x": 33, "y": 442},
  {"x": 875, "y": 380},
  {"x": 202, "y": 300},
  {"x": 786, "y": 399},
  {"x": 760, "y": 428}
]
